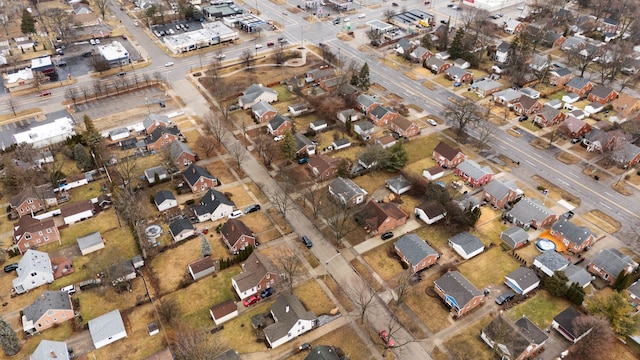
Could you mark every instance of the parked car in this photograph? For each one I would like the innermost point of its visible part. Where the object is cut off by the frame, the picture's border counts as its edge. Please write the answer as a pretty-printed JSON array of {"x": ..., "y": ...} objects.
[
  {"x": 523, "y": 118},
  {"x": 303, "y": 160},
  {"x": 347, "y": 19},
  {"x": 136, "y": 24},
  {"x": 59, "y": 51},
  {"x": 388, "y": 340},
  {"x": 87, "y": 53},
  {"x": 505, "y": 297},
  {"x": 267, "y": 292},
  {"x": 234, "y": 107},
  {"x": 251, "y": 300},
  {"x": 307, "y": 242},
  {"x": 45, "y": 93},
  {"x": 568, "y": 215},
  {"x": 235, "y": 214},
  {"x": 432, "y": 122},
  {"x": 386, "y": 236},
  {"x": 61, "y": 63},
  {"x": 171, "y": 31},
  {"x": 252, "y": 208},
  {"x": 360, "y": 16},
  {"x": 69, "y": 289},
  {"x": 97, "y": 41},
  {"x": 9, "y": 268},
  {"x": 221, "y": 56},
  {"x": 270, "y": 43},
  {"x": 258, "y": 46},
  {"x": 278, "y": 137},
  {"x": 282, "y": 40},
  {"x": 121, "y": 73},
  {"x": 575, "y": 140},
  {"x": 168, "y": 64},
  {"x": 92, "y": 41},
  {"x": 336, "y": 21}
]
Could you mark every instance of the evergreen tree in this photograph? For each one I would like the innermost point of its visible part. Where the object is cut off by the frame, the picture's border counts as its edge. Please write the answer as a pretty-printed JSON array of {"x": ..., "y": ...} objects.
[
  {"x": 205, "y": 246},
  {"x": 8, "y": 339},
  {"x": 92, "y": 138},
  {"x": 443, "y": 39},
  {"x": 425, "y": 41},
  {"x": 457, "y": 48},
  {"x": 82, "y": 158},
  {"x": 28, "y": 24},
  {"x": 288, "y": 146},
  {"x": 557, "y": 284},
  {"x": 364, "y": 80},
  {"x": 622, "y": 281},
  {"x": 575, "y": 293},
  {"x": 397, "y": 158}
]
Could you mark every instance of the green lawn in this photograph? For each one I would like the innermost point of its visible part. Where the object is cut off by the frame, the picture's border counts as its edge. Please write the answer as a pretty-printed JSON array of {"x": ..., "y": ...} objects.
[
  {"x": 104, "y": 221},
  {"x": 540, "y": 309},
  {"x": 495, "y": 264}
]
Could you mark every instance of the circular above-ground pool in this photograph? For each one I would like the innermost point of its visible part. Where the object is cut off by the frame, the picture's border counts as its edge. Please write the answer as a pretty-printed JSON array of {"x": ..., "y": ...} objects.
[{"x": 545, "y": 245}]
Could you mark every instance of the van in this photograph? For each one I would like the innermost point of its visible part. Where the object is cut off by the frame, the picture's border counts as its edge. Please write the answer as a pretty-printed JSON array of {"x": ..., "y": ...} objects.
[
  {"x": 121, "y": 73},
  {"x": 69, "y": 289}
]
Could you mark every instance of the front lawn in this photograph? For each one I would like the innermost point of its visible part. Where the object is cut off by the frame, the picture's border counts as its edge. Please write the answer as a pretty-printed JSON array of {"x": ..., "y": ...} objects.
[
  {"x": 313, "y": 297},
  {"x": 382, "y": 262},
  {"x": 495, "y": 264},
  {"x": 540, "y": 309},
  {"x": 430, "y": 310},
  {"x": 467, "y": 344}
]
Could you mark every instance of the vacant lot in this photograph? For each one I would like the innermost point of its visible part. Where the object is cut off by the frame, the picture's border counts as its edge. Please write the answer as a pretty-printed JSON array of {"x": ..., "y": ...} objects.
[{"x": 495, "y": 264}]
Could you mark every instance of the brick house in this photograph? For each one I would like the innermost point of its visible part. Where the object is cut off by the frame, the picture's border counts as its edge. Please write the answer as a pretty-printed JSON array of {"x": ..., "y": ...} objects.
[
  {"x": 378, "y": 218},
  {"x": 609, "y": 263},
  {"x": 182, "y": 154},
  {"x": 530, "y": 213},
  {"x": 560, "y": 76},
  {"x": 526, "y": 105},
  {"x": 458, "y": 293},
  {"x": 576, "y": 238},
  {"x": 627, "y": 154},
  {"x": 263, "y": 111},
  {"x": 382, "y": 115},
  {"x": 405, "y": 127},
  {"x": 548, "y": 116},
  {"x": 499, "y": 193},
  {"x": 459, "y": 75},
  {"x": 626, "y": 105},
  {"x": 31, "y": 201},
  {"x": 31, "y": 233},
  {"x": 153, "y": 121},
  {"x": 258, "y": 273},
  {"x": 517, "y": 340},
  {"x": 436, "y": 66},
  {"x": 199, "y": 179},
  {"x": 552, "y": 39},
  {"x": 237, "y": 235},
  {"x": 474, "y": 174},
  {"x": 162, "y": 137},
  {"x": 415, "y": 252},
  {"x": 602, "y": 94},
  {"x": 48, "y": 310},
  {"x": 324, "y": 167},
  {"x": 574, "y": 128},
  {"x": 365, "y": 103},
  {"x": 579, "y": 85},
  {"x": 447, "y": 156},
  {"x": 279, "y": 125},
  {"x": 608, "y": 25}
]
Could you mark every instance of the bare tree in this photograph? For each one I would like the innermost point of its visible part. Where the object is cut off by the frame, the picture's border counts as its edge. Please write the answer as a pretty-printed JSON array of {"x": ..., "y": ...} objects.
[
  {"x": 363, "y": 298},
  {"x": 127, "y": 170},
  {"x": 279, "y": 195},
  {"x": 237, "y": 152},
  {"x": 597, "y": 342},
  {"x": 213, "y": 124},
  {"x": 290, "y": 265},
  {"x": 582, "y": 58},
  {"x": 460, "y": 114},
  {"x": 59, "y": 21},
  {"x": 206, "y": 145},
  {"x": 71, "y": 94},
  {"x": 12, "y": 104},
  {"x": 169, "y": 311},
  {"x": 402, "y": 290},
  {"x": 169, "y": 160},
  {"x": 193, "y": 344},
  {"x": 278, "y": 54},
  {"x": 102, "y": 7},
  {"x": 267, "y": 148},
  {"x": 316, "y": 196},
  {"x": 484, "y": 131},
  {"x": 339, "y": 218},
  {"x": 245, "y": 57}
]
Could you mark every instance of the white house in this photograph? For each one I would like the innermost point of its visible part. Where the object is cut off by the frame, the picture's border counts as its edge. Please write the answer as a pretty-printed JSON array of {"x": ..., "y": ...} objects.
[
  {"x": 433, "y": 173},
  {"x": 181, "y": 229},
  {"x": 107, "y": 328},
  {"x": 398, "y": 184},
  {"x": 291, "y": 320},
  {"x": 522, "y": 280},
  {"x": 430, "y": 211},
  {"x": 318, "y": 125},
  {"x": 551, "y": 261},
  {"x": 466, "y": 245},
  {"x": 214, "y": 205},
  {"x": 224, "y": 311},
  {"x": 49, "y": 350},
  {"x": 34, "y": 270},
  {"x": 90, "y": 243},
  {"x": 165, "y": 200},
  {"x": 72, "y": 213}
]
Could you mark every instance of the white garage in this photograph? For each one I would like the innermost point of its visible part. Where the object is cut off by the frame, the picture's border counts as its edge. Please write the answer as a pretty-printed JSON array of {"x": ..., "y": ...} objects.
[{"x": 107, "y": 328}]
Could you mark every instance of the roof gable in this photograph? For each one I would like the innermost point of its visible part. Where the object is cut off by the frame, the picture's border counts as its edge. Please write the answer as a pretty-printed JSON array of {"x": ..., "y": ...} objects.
[
  {"x": 446, "y": 151},
  {"x": 414, "y": 248},
  {"x": 458, "y": 287}
]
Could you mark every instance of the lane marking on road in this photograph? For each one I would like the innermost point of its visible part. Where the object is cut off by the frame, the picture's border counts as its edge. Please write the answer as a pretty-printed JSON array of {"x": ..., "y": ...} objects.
[
  {"x": 608, "y": 193},
  {"x": 530, "y": 163},
  {"x": 502, "y": 146},
  {"x": 605, "y": 205}
]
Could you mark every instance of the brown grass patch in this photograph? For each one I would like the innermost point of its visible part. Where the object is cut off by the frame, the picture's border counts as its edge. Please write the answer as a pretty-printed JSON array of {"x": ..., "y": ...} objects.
[
  {"x": 429, "y": 85},
  {"x": 371, "y": 181},
  {"x": 337, "y": 291},
  {"x": 468, "y": 343},
  {"x": 365, "y": 274},
  {"x": 220, "y": 170},
  {"x": 555, "y": 192},
  {"x": 409, "y": 323},
  {"x": 438, "y": 354},
  {"x": 540, "y": 143},
  {"x": 495, "y": 264},
  {"x": 382, "y": 262},
  {"x": 176, "y": 259},
  {"x": 313, "y": 297},
  {"x": 345, "y": 339},
  {"x": 430, "y": 310},
  {"x": 103, "y": 222},
  {"x": 592, "y": 171},
  {"x": 277, "y": 218},
  {"x": 255, "y": 190},
  {"x": 567, "y": 158},
  {"x": 621, "y": 188},
  {"x": 412, "y": 75},
  {"x": 239, "y": 196},
  {"x": 602, "y": 220},
  {"x": 378, "y": 88}
]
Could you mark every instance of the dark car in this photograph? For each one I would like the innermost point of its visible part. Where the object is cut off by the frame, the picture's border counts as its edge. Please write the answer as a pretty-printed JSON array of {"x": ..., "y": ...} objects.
[
  {"x": 523, "y": 118},
  {"x": 234, "y": 107},
  {"x": 303, "y": 160},
  {"x": 386, "y": 236},
  {"x": 9, "y": 268},
  {"x": 575, "y": 140},
  {"x": 307, "y": 242},
  {"x": 267, "y": 292},
  {"x": 505, "y": 297},
  {"x": 87, "y": 53},
  {"x": 568, "y": 215},
  {"x": 336, "y": 21},
  {"x": 252, "y": 208},
  {"x": 270, "y": 43}
]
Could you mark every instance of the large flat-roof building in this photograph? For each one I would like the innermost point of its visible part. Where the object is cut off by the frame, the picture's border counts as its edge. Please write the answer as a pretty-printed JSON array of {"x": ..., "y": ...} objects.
[
  {"x": 46, "y": 134},
  {"x": 211, "y": 33},
  {"x": 114, "y": 53}
]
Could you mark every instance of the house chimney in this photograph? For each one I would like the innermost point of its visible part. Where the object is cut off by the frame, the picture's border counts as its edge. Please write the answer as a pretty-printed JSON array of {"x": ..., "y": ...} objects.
[
  {"x": 242, "y": 267},
  {"x": 53, "y": 355},
  {"x": 233, "y": 226},
  {"x": 286, "y": 309},
  {"x": 193, "y": 170}
]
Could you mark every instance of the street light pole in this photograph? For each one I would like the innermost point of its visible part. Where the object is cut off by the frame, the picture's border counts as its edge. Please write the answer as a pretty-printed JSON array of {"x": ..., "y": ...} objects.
[{"x": 326, "y": 263}]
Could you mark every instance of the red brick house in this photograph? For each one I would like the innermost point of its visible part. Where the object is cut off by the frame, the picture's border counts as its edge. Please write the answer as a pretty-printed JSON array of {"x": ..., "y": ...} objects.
[
  {"x": 602, "y": 94},
  {"x": 378, "y": 218},
  {"x": 31, "y": 233},
  {"x": 526, "y": 105},
  {"x": 154, "y": 121},
  {"x": 576, "y": 238},
  {"x": 459, "y": 75},
  {"x": 474, "y": 174},
  {"x": 608, "y": 25},
  {"x": 447, "y": 156},
  {"x": 415, "y": 252},
  {"x": 626, "y": 105},
  {"x": 579, "y": 85},
  {"x": 30, "y": 201},
  {"x": 548, "y": 116},
  {"x": 405, "y": 127},
  {"x": 609, "y": 263},
  {"x": 381, "y": 115},
  {"x": 162, "y": 137},
  {"x": 279, "y": 125},
  {"x": 199, "y": 179},
  {"x": 574, "y": 128},
  {"x": 263, "y": 111},
  {"x": 182, "y": 154},
  {"x": 237, "y": 235},
  {"x": 324, "y": 167},
  {"x": 519, "y": 340},
  {"x": 258, "y": 273},
  {"x": 437, "y": 66},
  {"x": 458, "y": 293},
  {"x": 560, "y": 76},
  {"x": 499, "y": 193},
  {"x": 365, "y": 103}
]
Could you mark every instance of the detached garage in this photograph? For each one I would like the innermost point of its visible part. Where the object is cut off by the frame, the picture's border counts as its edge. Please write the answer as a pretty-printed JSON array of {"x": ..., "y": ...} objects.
[
  {"x": 107, "y": 328},
  {"x": 90, "y": 243},
  {"x": 224, "y": 312},
  {"x": 79, "y": 211}
]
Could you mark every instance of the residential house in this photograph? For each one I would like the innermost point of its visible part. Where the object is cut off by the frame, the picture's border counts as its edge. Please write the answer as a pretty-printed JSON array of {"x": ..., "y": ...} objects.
[
  {"x": 447, "y": 156},
  {"x": 80, "y": 9},
  {"x": 405, "y": 127},
  {"x": 548, "y": 116},
  {"x": 511, "y": 340},
  {"x": 107, "y": 328},
  {"x": 201, "y": 268},
  {"x": 162, "y": 137},
  {"x": 433, "y": 173},
  {"x": 578, "y": 274},
  {"x": 237, "y": 235},
  {"x": 626, "y": 105},
  {"x": 550, "y": 261},
  {"x": 634, "y": 294},
  {"x": 522, "y": 280},
  {"x": 199, "y": 179},
  {"x": 386, "y": 141},
  {"x": 34, "y": 270},
  {"x": 466, "y": 245},
  {"x": 565, "y": 323},
  {"x": 398, "y": 184},
  {"x": 32, "y": 200},
  {"x": 554, "y": 103},
  {"x": 298, "y": 109},
  {"x": 526, "y": 105},
  {"x": 304, "y": 146},
  {"x": 258, "y": 273},
  {"x": 256, "y": 93},
  {"x": 224, "y": 311},
  {"x": 324, "y": 167},
  {"x": 420, "y": 54},
  {"x": 579, "y": 85},
  {"x": 552, "y": 39},
  {"x": 30, "y": 233},
  {"x": 627, "y": 155},
  {"x": 322, "y": 73},
  {"x": 512, "y": 26},
  {"x": 531, "y": 213},
  {"x": 499, "y": 194},
  {"x": 573, "y": 43},
  {"x": 382, "y": 115},
  {"x": 570, "y": 98},
  {"x": 72, "y": 213},
  {"x": 291, "y": 320},
  {"x": 560, "y": 76},
  {"x": 576, "y": 238},
  {"x": 602, "y": 94},
  {"x": 458, "y": 293},
  {"x": 459, "y": 75},
  {"x": 474, "y": 174},
  {"x": 342, "y": 143},
  {"x": 630, "y": 66},
  {"x": 365, "y": 103},
  {"x": 539, "y": 62},
  {"x": 335, "y": 83},
  {"x": 122, "y": 271},
  {"x": 49, "y": 309},
  {"x": 506, "y": 97},
  {"x": 515, "y": 237},
  {"x": 502, "y": 52},
  {"x": 466, "y": 202},
  {"x": 486, "y": 87},
  {"x": 154, "y": 121},
  {"x": 574, "y": 128},
  {"x": 181, "y": 229},
  {"x": 598, "y": 140},
  {"x": 323, "y": 352},
  {"x": 608, "y": 25},
  {"x": 263, "y": 111},
  {"x": 214, "y": 205},
  {"x": 348, "y": 114},
  {"x": 415, "y": 252},
  {"x": 609, "y": 263},
  {"x": 404, "y": 46},
  {"x": 90, "y": 243},
  {"x": 279, "y": 125},
  {"x": 436, "y": 66},
  {"x": 156, "y": 172},
  {"x": 51, "y": 350},
  {"x": 347, "y": 191},
  {"x": 181, "y": 154},
  {"x": 378, "y": 218},
  {"x": 165, "y": 200},
  {"x": 318, "y": 125},
  {"x": 364, "y": 129},
  {"x": 530, "y": 92},
  {"x": 461, "y": 63}
]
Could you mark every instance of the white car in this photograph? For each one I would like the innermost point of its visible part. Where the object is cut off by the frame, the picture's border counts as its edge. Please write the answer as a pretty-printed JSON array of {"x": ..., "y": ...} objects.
[
  {"x": 168, "y": 64},
  {"x": 432, "y": 122},
  {"x": 221, "y": 56},
  {"x": 92, "y": 41},
  {"x": 258, "y": 46},
  {"x": 97, "y": 41},
  {"x": 278, "y": 138},
  {"x": 520, "y": 8},
  {"x": 346, "y": 19},
  {"x": 235, "y": 214},
  {"x": 360, "y": 16},
  {"x": 171, "y": 31}
]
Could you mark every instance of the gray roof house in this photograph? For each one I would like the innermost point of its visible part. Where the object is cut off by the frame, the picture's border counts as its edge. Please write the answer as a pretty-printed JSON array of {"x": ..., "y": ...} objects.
[
  {"x": 530, "y": 213},
  {"x": 564, "y": 324},
  {"x": 551, "y": 261},
  {"x": 49, "y": 309},
  {"x": 366, "y": 102},
  {"x": 364, "y": 129},
  {"x": 34, "y": 270},
  {"x": 507, "y": 96},
  {"x": 51, "y": 350},
  {"x": 150, "y": 174},
  {"x": 458, "y": 293},
  {"x": 347, "y": 191},
  {"x": 521, "y": 339},
  {"x": 522, "y": 280},
  {"x": 261, "y": 108},
  {"x": 415, "y": 252},
  {"x": 178, "y": 148},
  {"x": 276, "y": 123},
  {"x": 181, "y": 229},
  {"x": 398, "y": 184},
  {"x": 107, "y": 328},
  {"x": 515, "y": 237},
  {"x": 578, "y": 274},
  {"x": 256, "y": 93},
  {"x": 164, "y": 200},
  {"x": 430, "y": 211},
  {"x": 214, "y": 205},
  {"x": 609, "y": 263},
  {"x": 154, "y": 120},
  {"x": 291, "y": 320},
  {"x": 466, "y": 245},
  {"x": 195, "y": 173},
  {"x": 90, "y": 243},
  {"x": 304, "y": 146}
]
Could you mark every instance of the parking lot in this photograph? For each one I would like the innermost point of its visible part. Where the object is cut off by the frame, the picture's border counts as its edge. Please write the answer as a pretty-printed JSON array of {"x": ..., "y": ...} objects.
[
  {"x": 176, "y": 28},
  {"x": 7, "y": 130}
]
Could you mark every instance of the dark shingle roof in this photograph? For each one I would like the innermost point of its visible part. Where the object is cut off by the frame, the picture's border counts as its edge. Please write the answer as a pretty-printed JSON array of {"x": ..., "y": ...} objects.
[
  {"x": 514, "y": 235},
  {"x": 565, "y": 319},
  {"x": 255, "y": 267},
  {"x": 211, "y": 200},
  {"x": 163, "y": 195},
  {"x": 516, "y": 337},
  {"x": 457, "y": 286},
  {"x": 277, "y": 121},
  {"x": 432, "y": 208},
  {"x": 552, "y": 260},
  {"x": 446, "y": 151},
  {"x": 49, "y": 300},
  {"x": 576, "y": 234},
  {"x": 286, "y": 310},
  {"x": 179, "y": 225},
  {"x": 414, "y": 248},
  {"x": 194, "y": 172},
  {"x": 577, "y": 82}
]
